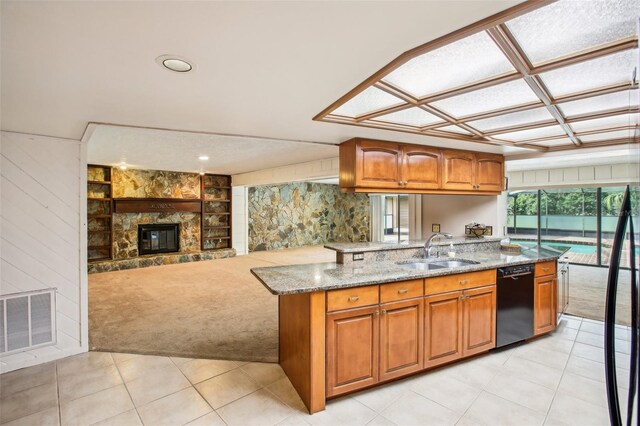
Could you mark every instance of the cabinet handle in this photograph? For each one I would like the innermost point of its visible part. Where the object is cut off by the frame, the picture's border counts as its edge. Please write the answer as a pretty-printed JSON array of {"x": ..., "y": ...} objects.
[
  {"x": 545, "y": 269},
  {"x": 384, "y": 311},
  {"x": 354, "y": 298},
  {"x": 377, "y": 312},
  {"x": 463, "y": 297},
  {"x": 463, "y": 282},
  {"x": 402, "y": 291}
]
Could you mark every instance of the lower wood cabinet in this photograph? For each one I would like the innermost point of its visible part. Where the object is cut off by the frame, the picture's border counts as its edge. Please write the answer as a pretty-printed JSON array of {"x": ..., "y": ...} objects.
[
  {"x": 544, "y": 304},
  {"x": 443, "y": 328},
  {"x": 369, "y": 345},
  {"x": 459, "y": 324},
  {"x": 401, "y": 334},
  {"x": 352, "y": 344},
  {"x": 479, "y": 320}
]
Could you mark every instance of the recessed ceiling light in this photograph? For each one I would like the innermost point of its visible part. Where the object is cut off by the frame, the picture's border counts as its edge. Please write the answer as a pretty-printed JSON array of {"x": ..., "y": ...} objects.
[
  {"x": 123, "y": 166},
  {"x": 203, "y": 157},
  {"x": 175, "y": 63}
]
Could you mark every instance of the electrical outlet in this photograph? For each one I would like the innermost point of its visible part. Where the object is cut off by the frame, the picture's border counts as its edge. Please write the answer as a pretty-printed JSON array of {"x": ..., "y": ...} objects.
[
  {"x": 358, "y": 256},
  {"x": 435, "y": 227}
]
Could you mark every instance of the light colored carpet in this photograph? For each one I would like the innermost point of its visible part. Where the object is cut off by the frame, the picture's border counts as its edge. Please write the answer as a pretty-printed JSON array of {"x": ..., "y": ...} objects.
[
  {"x": 587, "y": 294},
  {"x": 211, "y": 309}
]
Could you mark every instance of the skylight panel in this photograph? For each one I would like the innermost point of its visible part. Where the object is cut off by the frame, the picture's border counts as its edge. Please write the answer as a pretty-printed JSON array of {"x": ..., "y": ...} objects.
[
  {"x": 513, "y": 119},
  {"x": 566, "y": 27},
  {"x": 597, "y": 137},
  {"x": 600, "y": 72},
  {"x": 465, "y": 61},
  {"x": 504, "y": 95},
  {"x": 370, "y": 99},
  {"x": 606, "y": 122},
  {"x": 540, "y": 132},
  {"x": 609, "y": 101},
  {"x": 410, "y": 116}
]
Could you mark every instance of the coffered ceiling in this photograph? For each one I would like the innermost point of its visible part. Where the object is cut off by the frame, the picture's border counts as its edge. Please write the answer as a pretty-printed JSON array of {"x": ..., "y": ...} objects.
[{"x": 542, "y": 75}]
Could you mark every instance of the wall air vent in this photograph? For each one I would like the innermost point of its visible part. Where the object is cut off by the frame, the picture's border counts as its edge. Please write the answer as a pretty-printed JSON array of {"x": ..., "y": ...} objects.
[{"x": 27, "y": 320}]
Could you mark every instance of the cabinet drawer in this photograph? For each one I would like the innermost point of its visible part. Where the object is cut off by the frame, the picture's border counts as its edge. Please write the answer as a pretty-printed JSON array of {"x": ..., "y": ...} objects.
[
  {"x": 352, "y": 298},
  {"x": 545, "y": 268},
  {"x": 400, "y": 291},
  {"x": 459, "y": 281}
]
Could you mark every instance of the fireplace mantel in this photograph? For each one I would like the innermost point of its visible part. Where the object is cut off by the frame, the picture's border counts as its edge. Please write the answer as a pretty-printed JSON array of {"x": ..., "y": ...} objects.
[{"x": 156, "y": 205}]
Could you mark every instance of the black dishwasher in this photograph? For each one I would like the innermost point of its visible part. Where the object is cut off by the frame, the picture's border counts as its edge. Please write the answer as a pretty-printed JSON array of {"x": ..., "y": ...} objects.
[{"x": 514, "y": 321}]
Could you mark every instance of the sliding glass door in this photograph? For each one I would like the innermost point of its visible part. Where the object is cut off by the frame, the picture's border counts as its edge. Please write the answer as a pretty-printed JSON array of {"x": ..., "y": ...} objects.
[{"x": 580, "y": 219}]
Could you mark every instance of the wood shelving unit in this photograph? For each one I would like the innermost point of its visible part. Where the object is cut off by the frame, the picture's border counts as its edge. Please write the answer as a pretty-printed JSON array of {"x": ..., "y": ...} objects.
[
  {"x": 215, "y": 229},
  {"x": 99, "y": 213}
]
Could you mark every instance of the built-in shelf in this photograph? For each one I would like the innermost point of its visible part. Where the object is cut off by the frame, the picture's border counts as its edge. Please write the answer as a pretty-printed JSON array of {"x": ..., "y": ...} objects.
[
  {"x": 99, "y": 241},
  {"x": 215, "y": 193}
]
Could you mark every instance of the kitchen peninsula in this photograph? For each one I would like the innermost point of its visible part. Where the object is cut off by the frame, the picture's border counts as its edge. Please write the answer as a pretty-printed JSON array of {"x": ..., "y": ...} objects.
[{"x": 382, "y": 311}]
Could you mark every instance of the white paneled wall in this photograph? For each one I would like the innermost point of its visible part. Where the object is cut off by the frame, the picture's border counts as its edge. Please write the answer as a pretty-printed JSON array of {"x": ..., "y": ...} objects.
[
  {"x": 598, "y": 175},
  {"x": 43, "y": 234}
]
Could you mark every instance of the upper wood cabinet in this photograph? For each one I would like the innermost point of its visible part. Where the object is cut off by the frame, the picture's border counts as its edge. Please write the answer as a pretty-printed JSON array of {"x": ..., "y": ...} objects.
[{"x": 379, "y": 166}]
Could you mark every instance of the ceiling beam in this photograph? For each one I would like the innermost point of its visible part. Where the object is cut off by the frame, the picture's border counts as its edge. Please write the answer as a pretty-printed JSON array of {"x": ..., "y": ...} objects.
[
  {"x": 610, "y": 142},
  {"x": 509, "y": 46}
]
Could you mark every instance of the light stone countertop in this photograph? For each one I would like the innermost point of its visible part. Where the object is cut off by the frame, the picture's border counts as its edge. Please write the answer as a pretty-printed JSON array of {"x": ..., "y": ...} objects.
[
  {"x": 308, "y": 278},
  {"x": 379, "y": 246}
]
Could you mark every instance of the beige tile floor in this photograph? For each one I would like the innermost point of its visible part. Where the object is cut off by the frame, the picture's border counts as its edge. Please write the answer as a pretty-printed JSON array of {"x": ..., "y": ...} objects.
[{"x": 558, "y": 379}]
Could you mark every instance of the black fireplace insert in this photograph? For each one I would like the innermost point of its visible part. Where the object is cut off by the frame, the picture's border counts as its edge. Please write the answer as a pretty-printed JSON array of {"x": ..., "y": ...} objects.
[{"x": 158, "y": 238}]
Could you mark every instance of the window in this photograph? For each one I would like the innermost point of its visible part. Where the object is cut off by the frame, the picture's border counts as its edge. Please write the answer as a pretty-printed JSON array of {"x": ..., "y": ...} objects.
[
  {"x": 580, "y": 219},
  {"x": 389, "y": 218}
]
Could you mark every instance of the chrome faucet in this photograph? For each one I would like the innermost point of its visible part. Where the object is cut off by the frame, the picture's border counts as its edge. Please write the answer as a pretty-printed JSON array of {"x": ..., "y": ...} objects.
[{"x": 427, "y": 244}]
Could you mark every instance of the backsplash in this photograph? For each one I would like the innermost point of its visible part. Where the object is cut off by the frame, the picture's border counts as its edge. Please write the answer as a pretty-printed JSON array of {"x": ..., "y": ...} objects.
[{"x": 300, "y": 214}]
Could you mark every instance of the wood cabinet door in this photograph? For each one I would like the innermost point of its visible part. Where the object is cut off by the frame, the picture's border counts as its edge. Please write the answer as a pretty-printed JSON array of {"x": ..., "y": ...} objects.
[
  {"x": 442, "y": 328},
  {"x": 489, "y": 175},
  {"x": 378, "y": 165},
  {"x": 401, "y": 338},
  {"x": 544, "y": 304},
  {"x": 421, "y": 167},
  {"x": 479, "y": 324},
  {"x": 352, "y": 349},
  {"x": 458, "y": 170}
]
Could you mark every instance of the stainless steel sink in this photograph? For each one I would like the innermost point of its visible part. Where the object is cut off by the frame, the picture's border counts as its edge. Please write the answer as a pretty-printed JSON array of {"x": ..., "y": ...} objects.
[
  {"x": 454, "y": 263},
  {"x": 421, "y": 265},
  {"x": 427, "y": 265}
]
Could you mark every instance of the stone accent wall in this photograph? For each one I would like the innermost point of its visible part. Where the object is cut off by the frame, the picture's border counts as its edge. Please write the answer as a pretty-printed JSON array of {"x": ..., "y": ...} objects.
[
  {"x": 154, "y": 184},
  {"x": 300, "y": 214},
  {"x": 125, "y": 231}
]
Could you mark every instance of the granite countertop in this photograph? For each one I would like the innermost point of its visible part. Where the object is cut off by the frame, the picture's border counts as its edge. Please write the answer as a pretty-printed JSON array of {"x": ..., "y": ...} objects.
[
  {"x": 308, "y": 278},
  {"x": 362, "y": 247}
]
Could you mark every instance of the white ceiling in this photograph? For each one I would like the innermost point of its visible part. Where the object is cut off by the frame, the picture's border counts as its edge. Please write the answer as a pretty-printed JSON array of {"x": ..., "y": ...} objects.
[
  {"x": 263, "y": 69},
  {"x": 179, "y": 151}
]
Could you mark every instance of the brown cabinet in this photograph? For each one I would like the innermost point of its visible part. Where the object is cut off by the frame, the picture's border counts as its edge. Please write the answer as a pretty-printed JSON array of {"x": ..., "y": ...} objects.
[
  {"x": 367, "y": 345},
  {"x": 479, "y": 320},
  {"x": 472, "y": 171},
  {"x": 400, "y": 338},
  {"x": 352, "y": 349},
  {"x": 443, "y": 328},
  {"x": 421, "y": 167},
  {"x": 459, "y": 168},
  {"x": 459, "y": 324},
  {"x": 544, "y": 304},
  {"x": 379, "y": 166},
  {"x": 489, "y": 172}
]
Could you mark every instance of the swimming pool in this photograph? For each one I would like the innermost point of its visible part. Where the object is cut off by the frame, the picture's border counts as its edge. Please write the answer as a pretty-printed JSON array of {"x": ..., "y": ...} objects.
[{"x": 573, "y": 247}]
